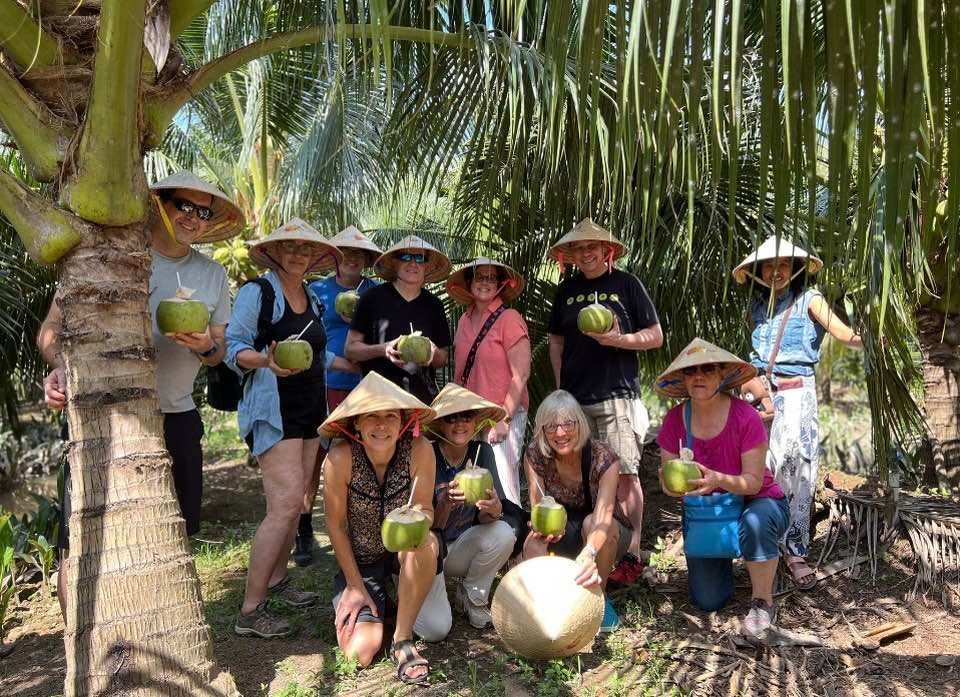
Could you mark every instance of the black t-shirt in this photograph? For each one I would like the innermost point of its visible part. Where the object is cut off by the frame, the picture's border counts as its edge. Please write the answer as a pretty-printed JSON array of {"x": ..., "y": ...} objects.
[
  {"x": 589, "y": 371},
  {"x": 383, "y": 314}
]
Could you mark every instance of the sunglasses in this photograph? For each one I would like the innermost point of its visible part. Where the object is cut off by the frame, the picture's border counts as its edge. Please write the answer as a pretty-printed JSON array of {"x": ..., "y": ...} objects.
[
  {"x": 708, "y": 369},
  {"x": 486, "y": 278},
  {"x": 188, "y": 207},
  {"x": 460, "y": 416},
  {"x": 407, "y": 257},
  {"x": 567, "y": 426}
]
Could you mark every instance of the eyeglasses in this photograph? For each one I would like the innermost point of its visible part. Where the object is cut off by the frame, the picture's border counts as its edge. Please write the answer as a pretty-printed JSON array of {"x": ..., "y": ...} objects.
[
  {"x": 188, "y": 207},
  {"x": 567, "y": 426},
  {"x": 407, "y": 257},
  {"x": 469, "y": 415},
  {"x": 708, "y": 369},
  {"x": 303, "y": 248},
  {"x": 486, "y": 278}
]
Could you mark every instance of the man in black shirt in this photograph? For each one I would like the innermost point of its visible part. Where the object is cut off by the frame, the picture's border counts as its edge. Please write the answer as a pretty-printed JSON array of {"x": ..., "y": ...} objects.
[
  {"x": 601, "y": 370},
  {"x": 398, "y": 307}
]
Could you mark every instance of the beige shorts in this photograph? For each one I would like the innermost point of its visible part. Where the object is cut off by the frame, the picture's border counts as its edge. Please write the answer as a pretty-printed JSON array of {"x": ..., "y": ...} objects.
[{"x": 622, "y": 423}]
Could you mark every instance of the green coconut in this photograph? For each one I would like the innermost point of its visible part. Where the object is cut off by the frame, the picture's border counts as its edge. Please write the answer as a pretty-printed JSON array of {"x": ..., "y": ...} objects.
[
  {"x": 549, "y": 517},
  {"x": 181, "y": 315},
  {"x": 404, "y": 528},
  {"x": 474, "y": 482},
  {"x": 414, "y": 348},
  {"x": 677, "y": 475},
  {"x": 595, "y": 319},
  {"x": 293, "y": 354},
  {"x": 345, "y": 304}
]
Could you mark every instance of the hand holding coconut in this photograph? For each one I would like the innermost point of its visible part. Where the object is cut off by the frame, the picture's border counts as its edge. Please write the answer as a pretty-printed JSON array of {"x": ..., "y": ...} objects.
[
  {"x": 609, "y": 338},
  {"x": 271, "y": 363},
  {"x": 708, "y": 482},
  {"x": 198, "y": 342}
]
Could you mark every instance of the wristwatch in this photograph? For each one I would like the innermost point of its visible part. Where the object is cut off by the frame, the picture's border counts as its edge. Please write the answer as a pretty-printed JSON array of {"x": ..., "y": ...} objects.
[{"x": 209, "y": 352}]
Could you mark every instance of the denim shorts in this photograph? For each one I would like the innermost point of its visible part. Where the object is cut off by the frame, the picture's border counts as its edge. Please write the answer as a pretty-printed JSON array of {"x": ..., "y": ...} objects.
[{"x": 762, "y": 525}]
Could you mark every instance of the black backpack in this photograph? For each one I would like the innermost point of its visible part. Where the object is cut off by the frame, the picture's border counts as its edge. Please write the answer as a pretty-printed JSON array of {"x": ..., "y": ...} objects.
[{"x": 225, "y": 387}]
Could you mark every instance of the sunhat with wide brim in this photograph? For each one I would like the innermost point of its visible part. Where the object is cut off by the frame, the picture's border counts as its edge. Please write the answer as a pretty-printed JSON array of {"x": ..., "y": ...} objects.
[
  {"x": 586, "y": 231},
  {"x": 454, "y": 399},
  {"x": 263, "y": 254},
  {"x": 438, "y": 264},
  {"x": 228, "y": 220},
  {"x": 735, "y": 371},
  {"x": 351, "y": 238},
  {"x": 774, "y": 248},
  {"x": 459, "y": 289},
  {"x": 375, "y": 393}
]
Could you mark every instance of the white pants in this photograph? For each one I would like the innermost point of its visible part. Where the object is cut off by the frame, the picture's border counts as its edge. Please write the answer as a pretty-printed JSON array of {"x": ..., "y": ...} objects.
[
  {"x": 475, "y": 557},
  {"x": 508, "y": 453}
]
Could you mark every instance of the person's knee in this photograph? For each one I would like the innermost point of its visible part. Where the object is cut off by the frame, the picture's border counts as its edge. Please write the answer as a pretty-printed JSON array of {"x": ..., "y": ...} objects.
[
  {"x": 434, "y": 627},
  {"x": 499, "y": 537},
  {"x": 362, "y": 649}
]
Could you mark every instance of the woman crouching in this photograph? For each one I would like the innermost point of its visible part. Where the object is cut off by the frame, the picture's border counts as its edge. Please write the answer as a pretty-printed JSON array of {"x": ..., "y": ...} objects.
[
  {"x": 366, "y": 476},
  {"x": 480, "y": 537},
  {"x": 581, "y": 473},
  {"x": 729, "y": 444}
]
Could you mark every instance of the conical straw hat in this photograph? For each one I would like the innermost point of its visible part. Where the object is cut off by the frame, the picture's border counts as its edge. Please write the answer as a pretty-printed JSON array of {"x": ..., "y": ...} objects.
[
  {"x": 586, "y": 231},
  {"x": 699, "y": 352},
  {"x": 373, "y": 393},
  {"x": 438, "y": 265},
  {"x": 454, "y": 399},
  {"x": 458, "y": 289},
  {"x": 351, "y": 237},
  {"x": 773, "y": 248},
  {"x": 297, "y": 230},
  {"x": 228, "y": 220}
]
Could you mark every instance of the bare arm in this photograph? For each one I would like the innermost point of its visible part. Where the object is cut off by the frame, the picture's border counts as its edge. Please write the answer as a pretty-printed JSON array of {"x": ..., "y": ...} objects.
[
  {"x": 440, "y": 355},
  {"x": 336, "y": 471},
  {"x": 518, "y": 356},
  {"x": 747, "y": 483},
  {"x": 556, "y": 356},
  {"x": 423, "y": 466},
  {"x": 603, "y": 509},
  {"x": 821, "y": 313},
  {"x": 649, "y": 338},
  {"x": 48, "y": 338},
  {"x": 357, "y": 351}
]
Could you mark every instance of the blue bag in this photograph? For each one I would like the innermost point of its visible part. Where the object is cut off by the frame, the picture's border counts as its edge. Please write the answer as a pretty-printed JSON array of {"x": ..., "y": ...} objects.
[{"x": 711, "y": 524}]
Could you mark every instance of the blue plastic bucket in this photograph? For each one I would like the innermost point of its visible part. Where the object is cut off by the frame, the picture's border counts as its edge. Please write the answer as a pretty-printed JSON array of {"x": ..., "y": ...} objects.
[{"x": 711, "y": 526}]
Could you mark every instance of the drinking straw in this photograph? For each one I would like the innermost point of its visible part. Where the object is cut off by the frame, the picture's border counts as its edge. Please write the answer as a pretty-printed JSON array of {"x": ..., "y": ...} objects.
[{"x": 304, "y": 329}]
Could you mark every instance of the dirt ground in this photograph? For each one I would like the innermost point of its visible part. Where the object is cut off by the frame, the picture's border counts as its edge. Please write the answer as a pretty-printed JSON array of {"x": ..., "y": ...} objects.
[{"x": 665, "y": 647}]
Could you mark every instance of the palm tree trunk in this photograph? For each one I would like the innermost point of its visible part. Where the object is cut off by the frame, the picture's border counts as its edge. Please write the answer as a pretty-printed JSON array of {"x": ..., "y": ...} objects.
[
  {"x": 135, "y": 622},
  {"x": 941, "y": 392}
]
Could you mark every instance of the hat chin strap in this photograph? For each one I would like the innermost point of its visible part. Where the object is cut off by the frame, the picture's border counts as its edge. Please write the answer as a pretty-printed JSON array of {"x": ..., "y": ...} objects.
[{"x": 168, "y": 226}]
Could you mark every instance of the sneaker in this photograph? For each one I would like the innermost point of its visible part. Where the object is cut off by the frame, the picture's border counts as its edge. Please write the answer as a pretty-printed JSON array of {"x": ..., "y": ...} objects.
[
  {"x": 757, "y": 622},
  {"x": 478, "y": 615},
  {"x": 627, "y": 572},
  {"x": 303, "y": 549},
  {"x": 260, "y": 623},
  {"x": 611, "y": 620},
  {"x": 290, "y": 596}
]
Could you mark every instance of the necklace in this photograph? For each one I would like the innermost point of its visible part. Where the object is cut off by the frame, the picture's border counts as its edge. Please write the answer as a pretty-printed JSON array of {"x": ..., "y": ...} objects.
[{"x": 459, "y": 464}]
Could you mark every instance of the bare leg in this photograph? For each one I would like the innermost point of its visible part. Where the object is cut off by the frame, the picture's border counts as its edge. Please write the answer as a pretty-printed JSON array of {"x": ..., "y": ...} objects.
[
  {"x": 283, "y": 487},
  {"x": 308, "y": 457},
  {"x": 313, "y": 482},
  {"x": 606, "y": 555},
  {"x": 761, "y": 578},
  {"x": 630, "y": 496},
  {"x": 417, "y": 570},
  {"x": 363, "y": 643}
]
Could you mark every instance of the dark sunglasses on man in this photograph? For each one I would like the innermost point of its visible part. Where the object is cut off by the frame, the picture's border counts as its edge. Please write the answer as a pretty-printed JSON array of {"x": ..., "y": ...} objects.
[
  {"x": 417, "y": 257},
  {"x": 708, "y": 369},
  {"x": 460, "y": 416},
  {"x": 188, "y": 207}
]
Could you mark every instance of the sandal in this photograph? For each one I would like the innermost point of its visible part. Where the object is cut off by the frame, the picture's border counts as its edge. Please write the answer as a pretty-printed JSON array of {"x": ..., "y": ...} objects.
[
  {"x": 803, "y": 576},
  {"x": 408, "y": 659}
]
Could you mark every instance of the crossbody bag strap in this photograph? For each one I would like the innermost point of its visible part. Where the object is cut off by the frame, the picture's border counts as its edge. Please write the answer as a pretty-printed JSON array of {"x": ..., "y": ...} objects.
[
  {"x": 776, "y": 344},
  {"x": 688, "y": 424},
  {"x": 472, "y": 356}
]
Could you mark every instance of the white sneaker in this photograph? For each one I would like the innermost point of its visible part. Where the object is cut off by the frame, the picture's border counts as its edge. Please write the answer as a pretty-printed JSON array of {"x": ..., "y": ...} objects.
[
  {"x": 478, "y": 615},
  {"x": 757, "y": 622}
]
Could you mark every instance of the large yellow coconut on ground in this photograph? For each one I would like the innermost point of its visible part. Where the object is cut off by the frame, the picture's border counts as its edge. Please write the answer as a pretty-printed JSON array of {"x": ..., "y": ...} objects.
[{"x": 539, "y": 612}]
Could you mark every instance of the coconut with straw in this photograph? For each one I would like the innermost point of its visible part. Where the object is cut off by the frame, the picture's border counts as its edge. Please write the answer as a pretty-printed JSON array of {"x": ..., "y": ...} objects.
[
  {"x": 548, "y": 517},
  {"x": 595, "y": 318},
  {"x": 181, "y": 314},
  {"x": 293, "y": 353},
  {"x": 406, "y": 527}
]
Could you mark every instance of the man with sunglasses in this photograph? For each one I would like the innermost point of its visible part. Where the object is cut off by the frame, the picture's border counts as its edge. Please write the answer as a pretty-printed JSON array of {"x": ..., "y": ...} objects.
[
  {"x": 601, "y": 370},
  {"x": 188, "y": 211},
  {"x": 398, "y": 307}
]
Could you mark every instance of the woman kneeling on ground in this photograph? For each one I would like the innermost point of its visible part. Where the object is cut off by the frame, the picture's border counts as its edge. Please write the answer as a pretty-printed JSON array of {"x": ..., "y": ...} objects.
[
  {"x": 729, "y": 445},
  {"x": 366, "y": 476},
  {"x": 479, "y": 538},
  {"x": 581, "y": 473}
]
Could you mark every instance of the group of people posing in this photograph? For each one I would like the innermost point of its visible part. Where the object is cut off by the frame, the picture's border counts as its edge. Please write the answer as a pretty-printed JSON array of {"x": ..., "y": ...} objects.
[{"x": 367, "y": 417}]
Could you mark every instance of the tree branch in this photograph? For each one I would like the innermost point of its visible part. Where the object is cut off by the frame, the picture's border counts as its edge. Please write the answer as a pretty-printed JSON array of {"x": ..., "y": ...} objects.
[
  {"x": 47, "y": 232},
  {"x": 108, "y": 185},
  {"x": 161, "y": 110},
  {"x": 40, "y": 135},
  {"x": 26, "y": 42},
  {"x": 182, "y": 12}
]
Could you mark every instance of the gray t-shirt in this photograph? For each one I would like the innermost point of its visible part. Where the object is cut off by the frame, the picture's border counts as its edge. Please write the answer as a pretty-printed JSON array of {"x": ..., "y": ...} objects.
[{"x": 177, "y": 367}]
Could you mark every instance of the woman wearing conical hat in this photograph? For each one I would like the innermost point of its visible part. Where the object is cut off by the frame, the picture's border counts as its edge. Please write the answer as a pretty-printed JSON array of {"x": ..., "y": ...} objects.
[
  {"x": 727, "y": 440},
  {"x": 779, "y": 272},
  {"x": 380, "y": 460},
  {"x": 401, "y": 306},
  {"x": 492, "y": 356},
  {"x": 601, "y": 370},
  {"x": 479, "y": 538},
  {"x": 280, "y": 408}
]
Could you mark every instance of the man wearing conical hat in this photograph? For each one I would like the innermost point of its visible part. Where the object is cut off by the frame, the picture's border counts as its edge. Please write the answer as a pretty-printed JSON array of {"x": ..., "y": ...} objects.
[
  {"x": 601, "y": 370},
  {"x": 399, "y": 307},
  {"x": 187, "y": 211}
]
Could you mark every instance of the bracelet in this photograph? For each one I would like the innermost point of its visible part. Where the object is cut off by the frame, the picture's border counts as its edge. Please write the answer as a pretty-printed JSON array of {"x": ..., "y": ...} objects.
[
  {"x": 589, "y": 549},
  {"x": 209, "y": 352}
]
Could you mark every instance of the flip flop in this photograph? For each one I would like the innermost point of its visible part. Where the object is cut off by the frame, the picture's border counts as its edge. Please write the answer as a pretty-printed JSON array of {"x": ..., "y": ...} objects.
[
  {"x": 803, "y": 576},
  {"x": 408, "y": 659}
]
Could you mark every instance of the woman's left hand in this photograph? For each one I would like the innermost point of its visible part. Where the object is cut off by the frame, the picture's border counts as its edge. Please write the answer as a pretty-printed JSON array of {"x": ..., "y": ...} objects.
[
  {"x": 498, "y": 433},
  {"x": 589, "y": 574},
  {"x": 708, "y": 482},
  {"x": 492, "y": 506}
]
